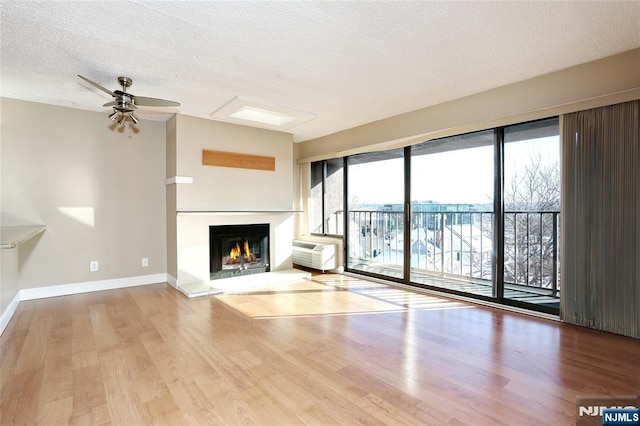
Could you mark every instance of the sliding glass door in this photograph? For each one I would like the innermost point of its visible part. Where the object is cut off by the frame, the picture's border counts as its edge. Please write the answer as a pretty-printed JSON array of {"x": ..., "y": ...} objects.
[
  {"x": 532, "y": 213},
  {"x": 452, "y": 200},
  {"x": 475, "y": 214},
  {"x": 375, "y": 214}
]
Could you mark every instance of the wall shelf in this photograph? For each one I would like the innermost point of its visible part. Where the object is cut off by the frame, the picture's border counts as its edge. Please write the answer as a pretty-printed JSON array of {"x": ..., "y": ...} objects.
[{"x": 13, "y": 236}]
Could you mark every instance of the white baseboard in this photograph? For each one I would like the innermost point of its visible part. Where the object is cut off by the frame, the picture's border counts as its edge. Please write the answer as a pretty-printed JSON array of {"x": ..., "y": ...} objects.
[
  {"x": 86, "y": 287},
  {"x": 8, "y": 313},
  {"x": 76, "y": 288},
  {"x": 172, "y": 281}
]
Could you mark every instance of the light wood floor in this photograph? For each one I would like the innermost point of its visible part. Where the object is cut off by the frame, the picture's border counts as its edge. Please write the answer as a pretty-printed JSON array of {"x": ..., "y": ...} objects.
[{"x": 334, "y": 351}]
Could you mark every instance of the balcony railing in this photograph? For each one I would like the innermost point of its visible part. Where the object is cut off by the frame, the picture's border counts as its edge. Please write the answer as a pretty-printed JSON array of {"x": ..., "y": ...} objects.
[{"x": 460, "y": 243}]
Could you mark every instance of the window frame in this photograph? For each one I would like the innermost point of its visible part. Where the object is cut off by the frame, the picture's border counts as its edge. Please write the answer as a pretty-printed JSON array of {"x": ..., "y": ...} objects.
[{"x": 324, "y": 191}]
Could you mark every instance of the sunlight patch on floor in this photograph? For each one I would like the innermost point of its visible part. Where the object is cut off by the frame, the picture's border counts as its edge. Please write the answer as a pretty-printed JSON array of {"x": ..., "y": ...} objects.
[
  {"x": 332, "y": 294},
  {"x": 305, "y": 299}
]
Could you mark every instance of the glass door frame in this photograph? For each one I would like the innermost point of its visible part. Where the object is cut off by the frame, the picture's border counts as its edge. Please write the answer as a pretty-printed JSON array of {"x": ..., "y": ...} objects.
[{"x": 498, "y": 255}]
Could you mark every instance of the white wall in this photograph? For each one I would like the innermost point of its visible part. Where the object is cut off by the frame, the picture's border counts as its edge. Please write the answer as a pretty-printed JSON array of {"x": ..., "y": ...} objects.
[{"x": 99, "y": 190}]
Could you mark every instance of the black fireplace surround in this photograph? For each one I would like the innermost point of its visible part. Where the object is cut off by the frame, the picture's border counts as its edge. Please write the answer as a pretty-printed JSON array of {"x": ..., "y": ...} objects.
[{"x": 236, "y": 250}]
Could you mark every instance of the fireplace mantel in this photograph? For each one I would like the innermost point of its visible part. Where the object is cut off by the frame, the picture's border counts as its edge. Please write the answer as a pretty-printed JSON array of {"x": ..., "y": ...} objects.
[{"x": 205, "y": 211}]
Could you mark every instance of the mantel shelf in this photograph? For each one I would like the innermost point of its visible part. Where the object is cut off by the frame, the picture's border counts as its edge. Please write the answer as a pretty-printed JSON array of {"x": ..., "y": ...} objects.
[
  {"x": 13, "y": 236},
  {"x": 203, "y": 211}
]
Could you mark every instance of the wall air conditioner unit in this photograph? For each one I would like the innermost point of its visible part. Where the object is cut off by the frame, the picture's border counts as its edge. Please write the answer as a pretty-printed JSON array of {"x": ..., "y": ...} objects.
[{"x": 314, "y": 255}]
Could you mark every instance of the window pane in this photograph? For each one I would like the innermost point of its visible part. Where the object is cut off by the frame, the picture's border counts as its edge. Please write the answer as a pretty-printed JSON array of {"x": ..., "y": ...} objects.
[
  {"x": 334, "y": 210},
  {"x": 376, "y": 213},
  {"x": 532, "y": 211},
  {"x": 452, "y": 185},
  {"x": 315, "y": 201}
]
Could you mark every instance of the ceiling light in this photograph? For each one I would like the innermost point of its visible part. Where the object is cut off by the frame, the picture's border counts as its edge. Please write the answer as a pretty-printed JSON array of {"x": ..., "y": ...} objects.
[
  {"x": 113, "y": 116},
  {"x": 258, "y": 114},
  {"x": 133, "y": 118},
  {"x": 262, "y": 116},
  {"x": 121, "y": 120}
]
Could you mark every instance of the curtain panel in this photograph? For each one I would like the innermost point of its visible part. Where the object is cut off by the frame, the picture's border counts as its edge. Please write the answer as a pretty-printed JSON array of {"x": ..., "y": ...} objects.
[{"x": 600, "y": 245}]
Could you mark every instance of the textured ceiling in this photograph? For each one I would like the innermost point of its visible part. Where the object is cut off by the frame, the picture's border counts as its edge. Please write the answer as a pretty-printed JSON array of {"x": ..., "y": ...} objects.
[{"x": 350, "y": 62}]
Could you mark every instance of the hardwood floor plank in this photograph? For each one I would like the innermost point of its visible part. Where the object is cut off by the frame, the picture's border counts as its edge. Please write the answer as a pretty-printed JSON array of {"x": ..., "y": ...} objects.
[
  {"x": 10, "y": 353},
  {"x": 308, "y": 394},
  {"x": 227, "y": 400},
  {"x": 20, "y": 397},
  {"x": 204, "y": 417},
  {"x": 329, "y": 378},
  {"x": 103, "y": 331},
  {"x": 83, "y": 345},
  {"x": 56, "y": 412},
  {"x": 57, "y": 376},
  {"x": 88, "y": 391},
  {"x": 96, "y": 416},
  {"x": 389, "y": 414},
  {"x": 123, "y": 402},
  {"x": 269, "y": 408},
  {"x": 162, "y": 407},
  {"x": 189, "y": 397},
  {"x": 147, "y": 382},
  {"x": 34, "y": 349},
  {"x": 379, "y": 388}
]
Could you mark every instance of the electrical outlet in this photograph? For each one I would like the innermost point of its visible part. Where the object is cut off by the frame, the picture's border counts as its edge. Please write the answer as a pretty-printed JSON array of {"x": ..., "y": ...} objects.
[
  {"x": 145, "y": 262},
  {"x": 93, "y": 266}
]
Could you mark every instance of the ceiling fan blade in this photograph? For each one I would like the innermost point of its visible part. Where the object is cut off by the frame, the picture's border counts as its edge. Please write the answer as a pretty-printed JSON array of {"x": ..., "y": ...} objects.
[
  {"x": 93, "y": 83},
  {"x": 112, "y": 103},
  {"x": 154, "y": 102}
]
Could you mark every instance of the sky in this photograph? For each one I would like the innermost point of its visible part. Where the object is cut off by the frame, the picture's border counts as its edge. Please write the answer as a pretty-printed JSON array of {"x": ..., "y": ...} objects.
[{"x": 463, "y": 176}]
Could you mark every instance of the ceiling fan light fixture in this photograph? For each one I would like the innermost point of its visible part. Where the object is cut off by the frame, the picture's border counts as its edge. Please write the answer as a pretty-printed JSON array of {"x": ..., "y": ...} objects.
[{"x": 124, "y": 103}]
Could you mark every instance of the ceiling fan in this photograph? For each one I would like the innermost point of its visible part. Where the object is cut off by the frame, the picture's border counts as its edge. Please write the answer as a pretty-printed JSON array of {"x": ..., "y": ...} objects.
[{"x": 125, "y": 103}]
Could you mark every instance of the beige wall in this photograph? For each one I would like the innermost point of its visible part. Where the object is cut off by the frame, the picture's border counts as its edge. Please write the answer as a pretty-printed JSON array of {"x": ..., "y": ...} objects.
[
  {"x": 9, "y": 276},
  {"x": 98, "y": 190},
  {"x": 250, "y": 196},
  {"x": 604, "y": 82},
  {"x": 220, "y": 188},
  {"x": 171, "y": 203}
]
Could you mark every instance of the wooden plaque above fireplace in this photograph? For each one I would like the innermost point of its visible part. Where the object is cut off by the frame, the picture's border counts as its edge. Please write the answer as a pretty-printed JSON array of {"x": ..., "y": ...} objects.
[{"x": 237, "y": 160}]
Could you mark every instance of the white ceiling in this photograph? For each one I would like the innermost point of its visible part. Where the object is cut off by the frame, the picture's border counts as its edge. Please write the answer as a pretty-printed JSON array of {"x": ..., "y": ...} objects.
[{"x": 349, "y": 62}]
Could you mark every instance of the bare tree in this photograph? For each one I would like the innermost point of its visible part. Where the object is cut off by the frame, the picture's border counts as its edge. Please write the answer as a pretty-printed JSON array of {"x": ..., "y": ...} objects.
[
  {"x": 536, "y": 187},
  {"x": 532, "y": 200}
]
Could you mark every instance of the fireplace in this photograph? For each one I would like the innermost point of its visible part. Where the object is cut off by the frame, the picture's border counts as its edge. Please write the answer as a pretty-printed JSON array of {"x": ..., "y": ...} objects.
[{"x": 236, "y": 250}]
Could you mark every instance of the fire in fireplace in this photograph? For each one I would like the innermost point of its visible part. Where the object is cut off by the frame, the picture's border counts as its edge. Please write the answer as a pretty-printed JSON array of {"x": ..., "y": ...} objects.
[
  {"x": 238, "y": 250},
  {"x": 238, "y": 256}
]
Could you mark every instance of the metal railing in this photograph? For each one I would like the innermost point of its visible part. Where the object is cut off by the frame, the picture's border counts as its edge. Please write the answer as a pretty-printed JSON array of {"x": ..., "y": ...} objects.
[
  {"x": 531, "y": 248},
  {"x": 460, "y": 243}
]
